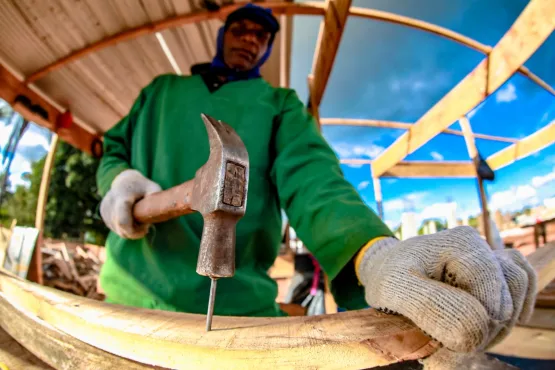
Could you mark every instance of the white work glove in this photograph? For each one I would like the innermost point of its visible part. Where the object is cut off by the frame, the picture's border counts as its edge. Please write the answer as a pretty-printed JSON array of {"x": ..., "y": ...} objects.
[
  {"x": 451, "y": 285},
  {"x": 116, "y": 207}
]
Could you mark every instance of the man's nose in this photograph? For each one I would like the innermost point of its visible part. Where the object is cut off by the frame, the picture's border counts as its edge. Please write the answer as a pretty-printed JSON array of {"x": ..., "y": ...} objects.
[{"x": 249, "y": 37}]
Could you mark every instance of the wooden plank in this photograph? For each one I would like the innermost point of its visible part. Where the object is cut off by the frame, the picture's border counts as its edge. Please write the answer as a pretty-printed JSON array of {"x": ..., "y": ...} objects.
[
  {"x": 313, "y": 106},
  {"x": 348, "y": 340},
  {"x": 14, "y": 356},
  {"x": 473, "y": 154},
  {"x": 36, "y": 265},
  {"x": 528, "y": 343},
  {"x": 378, "y": 196},
  {"x": 468, "y": 137},
  {"x": 431, "y": 169},
  {"x": 404, "y": 126},
  {"x": 331, "y": 30},
  {"x": 54, "y": 347},
  {"x": 523, "y": 148},
  {"x": 543, "y": 260},
  {"x": 543, "y": 318},
  {"x": 351, "y": 340},
  {"x": 285, "y": 55},
  {"x": 11, "y": 87},
  {"x": 531, "y": 28}
]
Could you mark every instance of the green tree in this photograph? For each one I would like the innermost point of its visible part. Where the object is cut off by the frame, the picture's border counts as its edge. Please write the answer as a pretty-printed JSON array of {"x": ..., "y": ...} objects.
[{"x": 73, "y": 200}]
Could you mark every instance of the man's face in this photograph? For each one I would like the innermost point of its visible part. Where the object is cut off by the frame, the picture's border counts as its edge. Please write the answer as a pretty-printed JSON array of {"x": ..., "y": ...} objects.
[{"x": 245, "y": 42}]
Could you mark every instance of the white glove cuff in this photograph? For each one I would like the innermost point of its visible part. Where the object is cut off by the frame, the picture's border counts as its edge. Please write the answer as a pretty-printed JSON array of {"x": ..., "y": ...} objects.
[{"x": 375, "y": 253}]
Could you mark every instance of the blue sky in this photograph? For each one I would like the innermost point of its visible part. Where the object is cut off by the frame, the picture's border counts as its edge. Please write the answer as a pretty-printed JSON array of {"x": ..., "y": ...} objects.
[{"x": 390, "y": 72}]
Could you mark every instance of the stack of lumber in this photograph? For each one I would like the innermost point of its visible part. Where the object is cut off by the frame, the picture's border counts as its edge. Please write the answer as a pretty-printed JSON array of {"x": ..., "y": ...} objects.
[{"x": 73, "y": 269}]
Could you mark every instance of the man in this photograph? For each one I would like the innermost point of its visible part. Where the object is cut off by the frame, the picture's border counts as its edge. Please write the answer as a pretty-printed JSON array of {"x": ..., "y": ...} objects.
[{"x": 450, "y": 284}]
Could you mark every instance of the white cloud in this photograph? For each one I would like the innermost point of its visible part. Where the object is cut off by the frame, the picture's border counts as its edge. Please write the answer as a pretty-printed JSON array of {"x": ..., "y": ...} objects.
[
  {"x": 363, "y": 185},
  {"x": 506, "y": 94},
  {"x": 514, "y": 198},
  {"x": 539, "y": 181},
  {"x": 352, "y": 165},
  {"x": 436, "y": 210},
  {"x": 345, "y": 150},
  {"x": 410, "y": 201},
  {"x": 436, "y": 156}
]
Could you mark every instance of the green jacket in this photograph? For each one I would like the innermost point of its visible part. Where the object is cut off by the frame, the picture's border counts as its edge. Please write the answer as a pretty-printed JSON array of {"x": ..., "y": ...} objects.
[{"x": 291, "y": 167}]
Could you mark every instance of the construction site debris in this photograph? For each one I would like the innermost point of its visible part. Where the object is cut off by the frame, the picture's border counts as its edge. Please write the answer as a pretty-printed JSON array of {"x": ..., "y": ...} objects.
[{"x": 72, "y": 268}]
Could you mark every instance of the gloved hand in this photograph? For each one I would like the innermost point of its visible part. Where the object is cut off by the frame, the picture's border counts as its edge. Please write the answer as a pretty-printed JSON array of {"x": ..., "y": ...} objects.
[
  {"x": 451, "y": 285},
  {"x": 117, "y": 206}
]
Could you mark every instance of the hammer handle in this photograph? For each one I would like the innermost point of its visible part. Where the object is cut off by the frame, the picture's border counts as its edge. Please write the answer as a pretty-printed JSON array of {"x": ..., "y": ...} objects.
[{"x": 164, "y": 205}]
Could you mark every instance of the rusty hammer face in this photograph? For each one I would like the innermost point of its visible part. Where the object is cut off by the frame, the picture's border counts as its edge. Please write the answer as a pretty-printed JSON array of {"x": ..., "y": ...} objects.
[{"x": 218, "y": 192}]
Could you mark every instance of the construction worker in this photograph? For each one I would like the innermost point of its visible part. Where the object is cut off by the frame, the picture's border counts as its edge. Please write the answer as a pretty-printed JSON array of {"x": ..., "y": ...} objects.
[{"x": 451, "y": 284}]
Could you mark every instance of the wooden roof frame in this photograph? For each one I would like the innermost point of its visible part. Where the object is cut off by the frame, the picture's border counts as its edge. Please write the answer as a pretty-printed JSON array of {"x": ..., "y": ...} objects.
[
  {"x": 335, "y": 14},
  {"x": 525, "y": 36}
]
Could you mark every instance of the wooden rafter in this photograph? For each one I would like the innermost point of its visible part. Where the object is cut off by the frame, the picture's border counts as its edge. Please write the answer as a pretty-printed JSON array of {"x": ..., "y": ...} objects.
[
  {"x": 404, "y": 126},
  {"x": 432, "y": 169},
  {"x": 286, "y": 8},
  {"x": 12, "y": 89},
  {"x": 524, "y": 147},
  {"x": 329, "y": 37},
  {"x": 528, "y": 32},
  {"x": 423, "y": 169}
]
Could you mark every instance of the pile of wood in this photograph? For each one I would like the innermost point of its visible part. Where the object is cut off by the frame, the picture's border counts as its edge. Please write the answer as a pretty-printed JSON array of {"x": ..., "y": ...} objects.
[{"x": 73, "y": 269}]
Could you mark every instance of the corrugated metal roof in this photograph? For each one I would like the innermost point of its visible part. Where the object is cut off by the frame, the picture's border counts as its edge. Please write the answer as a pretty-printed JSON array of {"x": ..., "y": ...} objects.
[{"x": 100, "y": 87}]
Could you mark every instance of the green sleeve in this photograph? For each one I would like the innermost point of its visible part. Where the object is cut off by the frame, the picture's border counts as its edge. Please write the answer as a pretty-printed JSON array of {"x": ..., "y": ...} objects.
[
  {"x": 116, "y": 155},
  {"x": 325, "y": 210}
]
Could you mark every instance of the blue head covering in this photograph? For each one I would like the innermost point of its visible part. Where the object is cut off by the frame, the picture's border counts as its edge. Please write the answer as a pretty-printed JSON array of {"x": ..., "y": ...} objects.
[{"x": 257, "y": 14}]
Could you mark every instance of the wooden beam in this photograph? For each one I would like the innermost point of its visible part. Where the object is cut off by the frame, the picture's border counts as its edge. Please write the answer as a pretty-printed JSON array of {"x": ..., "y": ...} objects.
[
  {"x": 473, "y": 154},
  {"x": 178, "y": 340},
  {"x": 423, "y": 169},
  {"x": 14, "y": 356},
  {"x": 528, "y": 32},
  {"x": 285, "y": 49},
  {"x": 403, "y": 126},
  {"x": 432, "y": 169},
  {"x": 35, "y": 266},
  {"x": 542, "y": 318},
  {"x": 543, "y": 261},
  {"x": 365, "y": 123},
  {"x": 524, "y": 147},
  {"x": 331, "y": 30},
  {"x": 313, "y": 106},
  {"x": 57, "y": 349},
  {"x": 526, "y": 342},
  {"x": 12, "y": 89},
  {"x": 378, "y": 196}
]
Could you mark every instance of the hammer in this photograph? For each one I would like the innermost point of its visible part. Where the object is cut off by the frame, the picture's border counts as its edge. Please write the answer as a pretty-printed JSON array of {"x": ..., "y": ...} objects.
[{"x": 219, "y": 192}]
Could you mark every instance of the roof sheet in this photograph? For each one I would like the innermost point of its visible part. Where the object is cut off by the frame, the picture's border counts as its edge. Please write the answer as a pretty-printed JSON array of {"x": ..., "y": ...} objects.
[{"x": 100, "y": 87}]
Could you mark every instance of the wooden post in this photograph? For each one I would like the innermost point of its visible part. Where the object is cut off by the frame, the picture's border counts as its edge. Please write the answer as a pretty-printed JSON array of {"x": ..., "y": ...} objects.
[
  {"x": 313, "y": 107},
  {"x": 473, "y": 153},
  {"x": 485, "y": 211},
  {"x": 35, "y": 267},
  {"x": 378, "y": 196}
]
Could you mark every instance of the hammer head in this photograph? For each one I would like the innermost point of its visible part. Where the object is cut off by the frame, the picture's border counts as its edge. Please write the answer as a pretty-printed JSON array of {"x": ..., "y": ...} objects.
[{"x": 220, "y": 195}]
